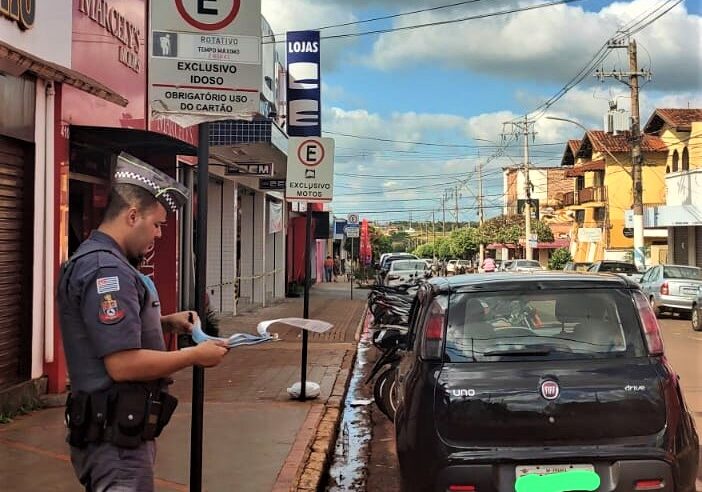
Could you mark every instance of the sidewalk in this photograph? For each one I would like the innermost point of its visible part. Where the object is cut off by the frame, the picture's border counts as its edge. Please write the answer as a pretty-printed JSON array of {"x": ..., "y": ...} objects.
[{"x": 255, "y": 437}]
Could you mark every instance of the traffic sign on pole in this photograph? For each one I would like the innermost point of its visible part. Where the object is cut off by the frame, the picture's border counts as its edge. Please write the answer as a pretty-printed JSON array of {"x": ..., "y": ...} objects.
[
  {"x": 353, "y": 219},
  {"x": 310, "y": 175}
]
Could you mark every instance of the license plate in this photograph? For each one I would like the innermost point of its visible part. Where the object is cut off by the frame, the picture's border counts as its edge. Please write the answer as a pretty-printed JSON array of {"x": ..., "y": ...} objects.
[
  {"x": 549, "y": 469},
  {"x": 689, "y": 291}
]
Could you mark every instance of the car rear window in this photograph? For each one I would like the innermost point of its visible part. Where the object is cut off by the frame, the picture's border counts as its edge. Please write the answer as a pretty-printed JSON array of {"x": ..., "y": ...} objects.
[
  {"x": 686, "y": 273},
  {"x": 528, "y": 263},
  {"x": 543, "y": 325},
  {"x": 618, "y": 268},
  {"x": 408, "y": 265}
]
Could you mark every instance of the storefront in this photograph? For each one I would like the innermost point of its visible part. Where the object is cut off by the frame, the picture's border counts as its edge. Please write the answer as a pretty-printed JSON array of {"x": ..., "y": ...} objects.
[
  {"x": 35, "y": 66},
  {"x": 93, "y": 132}
]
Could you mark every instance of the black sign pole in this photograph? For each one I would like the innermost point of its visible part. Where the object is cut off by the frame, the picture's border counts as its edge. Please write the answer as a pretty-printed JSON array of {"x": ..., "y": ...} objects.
[
  {"x": 203, "y": 155},
  {"x": 352, "y": 275},
  {"x": 306, "y": 308}
]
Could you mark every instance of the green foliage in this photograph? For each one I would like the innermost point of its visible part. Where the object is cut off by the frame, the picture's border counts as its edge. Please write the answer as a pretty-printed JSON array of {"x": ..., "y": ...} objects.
[
  {"x": 509, "y": 229},
  {"x": 424, "y": 250},
  {"x": 559, "y": 258},
  {"x": 464, "y": 243}
]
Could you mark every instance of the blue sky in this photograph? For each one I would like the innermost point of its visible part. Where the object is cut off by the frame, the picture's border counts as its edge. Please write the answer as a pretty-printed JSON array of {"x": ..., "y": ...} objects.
[{"x": 455, "y": 85}]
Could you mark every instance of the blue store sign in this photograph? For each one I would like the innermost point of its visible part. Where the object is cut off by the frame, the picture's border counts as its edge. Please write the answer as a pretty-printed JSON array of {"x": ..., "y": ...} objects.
[{"x": 304, "y": 84}]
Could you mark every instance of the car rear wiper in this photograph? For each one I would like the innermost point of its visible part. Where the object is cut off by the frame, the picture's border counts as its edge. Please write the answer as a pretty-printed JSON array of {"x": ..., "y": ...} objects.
[{"x": 518, "y": 352}]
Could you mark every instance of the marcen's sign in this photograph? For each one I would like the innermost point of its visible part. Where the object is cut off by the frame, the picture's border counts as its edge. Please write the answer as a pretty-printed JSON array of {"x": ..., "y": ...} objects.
[
  {"x": 116, "y": 24},
  {"x": 20, "y": 11}
]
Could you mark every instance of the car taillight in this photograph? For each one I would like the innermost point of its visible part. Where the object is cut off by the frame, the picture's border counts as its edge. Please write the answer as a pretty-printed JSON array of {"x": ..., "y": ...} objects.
[
  {"x": 665, "y": 289},
  {"x": 462, "y": 488},
  {"x": 649, "y": 323},
  {"x": 432, "y": 344},
  {"x": 656, "y": 484}
]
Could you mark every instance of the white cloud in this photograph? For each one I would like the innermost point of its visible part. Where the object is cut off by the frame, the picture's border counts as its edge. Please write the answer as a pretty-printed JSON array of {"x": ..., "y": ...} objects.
[
  {"x": 286, "y": 15},
  {"x": 548, "y": 44}
]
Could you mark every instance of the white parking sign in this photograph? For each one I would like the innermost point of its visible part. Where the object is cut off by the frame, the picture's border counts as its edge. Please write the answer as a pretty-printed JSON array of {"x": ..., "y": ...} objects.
[{"x": 310, "y": 176}]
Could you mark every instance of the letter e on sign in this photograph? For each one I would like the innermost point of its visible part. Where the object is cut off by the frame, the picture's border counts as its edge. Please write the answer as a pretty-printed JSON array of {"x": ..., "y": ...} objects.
[
  {"x": 310, "y": 153},
  {"x": 208, "y": 15}
]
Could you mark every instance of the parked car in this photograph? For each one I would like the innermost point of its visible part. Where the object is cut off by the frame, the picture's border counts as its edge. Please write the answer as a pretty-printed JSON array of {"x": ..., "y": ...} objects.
[
  {"x": 696, "y": 314},
  {"x": 524, "y": 266},
  {"x": 572, "y": 266},
  {"x": 504, "y": 265},
  {"x": 457, "y": 267},
  {"x": 405, "y": 271},
  {"x": 388, "y": 258},
  {"x": 622, "y": 268},
  {"x": 672, "y": 288},
  {"x": 485, "y": 399}
]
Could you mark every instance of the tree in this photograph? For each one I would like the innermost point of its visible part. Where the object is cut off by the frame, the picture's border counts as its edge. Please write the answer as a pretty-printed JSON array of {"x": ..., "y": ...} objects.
[
  {"x": 509, "y": 229},
  {"x": 559, "y": 258},
  {"x": 464, "y": 243}
]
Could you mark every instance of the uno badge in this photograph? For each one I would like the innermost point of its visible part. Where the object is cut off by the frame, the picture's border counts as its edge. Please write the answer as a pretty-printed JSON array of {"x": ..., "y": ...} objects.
[{"x": 110, "y": 312}]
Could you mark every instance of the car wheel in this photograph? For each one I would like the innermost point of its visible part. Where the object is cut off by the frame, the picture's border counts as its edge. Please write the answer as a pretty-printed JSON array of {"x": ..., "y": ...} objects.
[
  {"x": 656, "y": 311},
  {"x": 695, "y": 319}
]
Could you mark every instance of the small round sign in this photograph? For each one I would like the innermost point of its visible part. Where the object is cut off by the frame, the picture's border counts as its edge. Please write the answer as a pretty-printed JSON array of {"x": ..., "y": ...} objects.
[
  {"x": 207, "y": 15},
  {"x": 353, "y": 219},
  {"x": 310, "y": 153}
]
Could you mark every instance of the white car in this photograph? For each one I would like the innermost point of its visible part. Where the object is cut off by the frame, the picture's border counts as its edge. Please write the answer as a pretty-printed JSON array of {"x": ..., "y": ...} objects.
[
  {"x": 524, "y": 266},
  {"x": 405, "y": 271},
  {"x": 457, "y": 267}
]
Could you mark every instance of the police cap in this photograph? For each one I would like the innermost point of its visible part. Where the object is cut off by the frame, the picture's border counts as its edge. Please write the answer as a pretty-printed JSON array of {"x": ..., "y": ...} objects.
[{"x": 130, "y": 170}]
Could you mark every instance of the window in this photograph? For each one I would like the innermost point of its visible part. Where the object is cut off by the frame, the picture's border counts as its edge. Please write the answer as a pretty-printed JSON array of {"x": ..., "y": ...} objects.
[
  {"x": 547, "y": 325},
  {"x": 675, "y": 161},
  {"x": 579, "y": 182},
  {"x": 685, "y": 160},
  {"x": 679, "y": 272},
  {"x": 580, "y": 216},
  {"x": 599, "y": 214},
  {"x": 599, "y": 178}
]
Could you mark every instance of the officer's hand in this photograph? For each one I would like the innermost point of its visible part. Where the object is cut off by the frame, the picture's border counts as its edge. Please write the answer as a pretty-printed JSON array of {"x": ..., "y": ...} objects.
[
  {"x": 181, "y": 322},
  {"x": 210, "y": 353}
]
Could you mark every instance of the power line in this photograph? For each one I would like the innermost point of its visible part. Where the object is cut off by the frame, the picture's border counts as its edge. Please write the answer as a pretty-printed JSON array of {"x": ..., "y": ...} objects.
[
  {"x": 432, "y": 144},
  {"x": 391, "y": 16},
  {"x": 442, "y": 23}
]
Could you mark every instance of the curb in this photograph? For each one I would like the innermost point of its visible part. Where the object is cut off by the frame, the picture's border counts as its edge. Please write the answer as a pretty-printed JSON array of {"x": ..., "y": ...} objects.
[{"x": 324, "y": 426}]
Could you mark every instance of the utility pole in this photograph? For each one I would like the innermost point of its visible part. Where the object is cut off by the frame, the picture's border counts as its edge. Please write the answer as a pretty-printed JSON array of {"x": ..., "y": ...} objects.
[
  {"x": 455, "y": 196},
  {"x": 525, "y": 128},
  {"x": 433, "y": 231},
  {"x": 443, "y": 211},
  {"x": 636, "y": 156},
  {"x": 481, "y": 218}
]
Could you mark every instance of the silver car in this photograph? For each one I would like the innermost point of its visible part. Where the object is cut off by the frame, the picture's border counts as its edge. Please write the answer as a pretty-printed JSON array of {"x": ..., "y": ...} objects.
[
  {"x": 672, "y": 288},
  {"x": 405, "y": 271},
  {"x": 524, "y": 266}
]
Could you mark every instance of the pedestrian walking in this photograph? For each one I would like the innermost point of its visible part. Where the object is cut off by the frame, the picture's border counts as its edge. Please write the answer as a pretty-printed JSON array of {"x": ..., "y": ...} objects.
[
  {"x": 113, "y": 336},
  {"x": 328, "y": 268}
]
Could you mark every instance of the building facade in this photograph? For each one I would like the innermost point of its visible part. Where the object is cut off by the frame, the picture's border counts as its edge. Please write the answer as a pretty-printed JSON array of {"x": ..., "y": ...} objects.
[
  {"x": 602, "y": 193},
  {"x": 681, "y": 130}
]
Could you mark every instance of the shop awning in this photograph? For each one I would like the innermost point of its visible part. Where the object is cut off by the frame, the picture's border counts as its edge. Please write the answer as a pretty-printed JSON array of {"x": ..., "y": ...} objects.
[
  {"x": 129, "y": 140},
  {"x": 17, "y": 62}
]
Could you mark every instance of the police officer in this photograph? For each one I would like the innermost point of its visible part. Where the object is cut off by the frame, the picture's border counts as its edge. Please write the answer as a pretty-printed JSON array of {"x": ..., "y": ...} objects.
[{"x": 112, "y": 332}]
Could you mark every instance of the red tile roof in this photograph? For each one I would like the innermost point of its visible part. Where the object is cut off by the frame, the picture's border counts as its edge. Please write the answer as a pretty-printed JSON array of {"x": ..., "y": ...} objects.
[
  {"x": 678, "y": 118},
  {"x": 574, "y": 146},
  {"x": 579, "y": 170},
  {"x": 603, "y": 141}
]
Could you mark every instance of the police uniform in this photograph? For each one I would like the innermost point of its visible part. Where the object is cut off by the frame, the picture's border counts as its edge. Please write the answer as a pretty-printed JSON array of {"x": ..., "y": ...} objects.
[{"x": 107, "y": 307}]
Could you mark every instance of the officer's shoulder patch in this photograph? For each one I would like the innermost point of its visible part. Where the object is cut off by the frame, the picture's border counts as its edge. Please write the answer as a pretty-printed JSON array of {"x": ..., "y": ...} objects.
[
  {"x": 110, "y": 313},
  {"x": 107, "y": 284}
]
